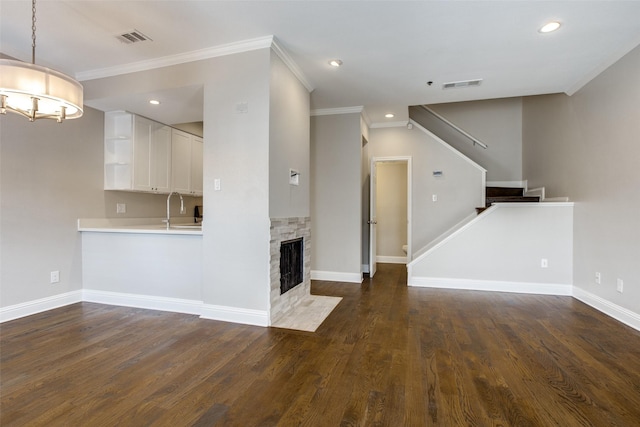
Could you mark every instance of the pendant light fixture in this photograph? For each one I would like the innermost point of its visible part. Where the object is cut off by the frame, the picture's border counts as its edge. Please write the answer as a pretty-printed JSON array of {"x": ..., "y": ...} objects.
[{"x": 38, "y": 92}]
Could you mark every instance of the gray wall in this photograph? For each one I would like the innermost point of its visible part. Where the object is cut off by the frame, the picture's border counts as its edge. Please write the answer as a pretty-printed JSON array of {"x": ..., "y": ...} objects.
[
  {"x": 289, "y": 144},
  {"x": 459, "y": 190},
  {"x": 365, "y": 195},
  {"x": 497, "y": 123},
  {"x": 50, "y": 175},
  {"x": 391, "y": 208},
  {"x": 236, "y": 151},
  {"x": 587, "y": 147},
  {"x": 336, "y": 186}
]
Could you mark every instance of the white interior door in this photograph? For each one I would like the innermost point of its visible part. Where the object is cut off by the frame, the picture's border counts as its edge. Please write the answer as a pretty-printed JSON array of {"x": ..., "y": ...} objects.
[{"x": 372, "y": 220}]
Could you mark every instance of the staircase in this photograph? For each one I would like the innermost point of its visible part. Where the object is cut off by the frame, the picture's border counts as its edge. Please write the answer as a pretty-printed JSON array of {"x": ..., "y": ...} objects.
[{"x": 505, "y": 195}]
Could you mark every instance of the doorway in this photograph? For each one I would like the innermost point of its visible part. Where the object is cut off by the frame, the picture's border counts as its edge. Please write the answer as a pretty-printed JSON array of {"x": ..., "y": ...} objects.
[{"x": 389, "y": 211}]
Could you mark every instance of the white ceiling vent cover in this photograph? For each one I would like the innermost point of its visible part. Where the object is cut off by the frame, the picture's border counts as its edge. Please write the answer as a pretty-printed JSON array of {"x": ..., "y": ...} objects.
[
  {"x": 133, "y": 36},
  {"x": 464, "y": 83}
]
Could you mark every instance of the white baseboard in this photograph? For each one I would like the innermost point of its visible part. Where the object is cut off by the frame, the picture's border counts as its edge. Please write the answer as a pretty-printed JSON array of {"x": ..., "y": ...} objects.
[
  {"x": 175, "y": 305},
  {"x": 492, "y": 285},
  {"x": 621, "y": 314},
  {"x": 391, "y": 259},
  {"x": 333, "y": 276},
  {"x": 235, "y": 315},
  {"x": 38, "y": 306}
]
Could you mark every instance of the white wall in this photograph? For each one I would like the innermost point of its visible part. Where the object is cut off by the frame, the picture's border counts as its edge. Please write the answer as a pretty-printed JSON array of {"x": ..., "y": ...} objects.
[
  {"x": 289, "y": 143},
  {"x": 336, "y": 145},
  {"x": 505, "y": 244},
  {"x": 587, "y": 147},
  {"x": 497, "y": 123},
  {"x": 459, "y": 190},
  {"x": 391, "y": 208},
  {"x": 50, "y": 175}
]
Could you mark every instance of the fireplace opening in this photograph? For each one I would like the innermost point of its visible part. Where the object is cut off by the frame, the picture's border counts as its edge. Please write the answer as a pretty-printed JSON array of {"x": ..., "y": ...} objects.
[{"x": 291, "y": 264}]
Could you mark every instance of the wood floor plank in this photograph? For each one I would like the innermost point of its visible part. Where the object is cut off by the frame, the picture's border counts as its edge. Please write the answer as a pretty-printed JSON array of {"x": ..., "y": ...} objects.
[{"x": 388, "y": 355}]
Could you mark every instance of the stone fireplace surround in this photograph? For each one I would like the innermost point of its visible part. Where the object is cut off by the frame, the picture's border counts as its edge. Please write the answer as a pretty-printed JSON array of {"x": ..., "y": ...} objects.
[{"x": 283, "y": 229}]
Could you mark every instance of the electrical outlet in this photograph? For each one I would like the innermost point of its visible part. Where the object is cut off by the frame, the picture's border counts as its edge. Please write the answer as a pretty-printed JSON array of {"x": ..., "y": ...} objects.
[
  {"x": 544, "y": 263},
  {"x": 619, "y": 285},
  {"x": 598, "y": 278},
  {"x": 121, "y": 208},
  {"x": 55, "y": 276}
]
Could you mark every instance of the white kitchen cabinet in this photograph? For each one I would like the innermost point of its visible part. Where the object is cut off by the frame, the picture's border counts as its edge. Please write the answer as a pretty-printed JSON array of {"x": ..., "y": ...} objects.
[
  {"x": 137, "y": 153},
  {"x": 151, "y": 156},
  {"x": 186, "y": 160},
  {"x": 196, "y": 166},
  {"x": 143, "y": 155},
  {"x": 181, "y": 161}
]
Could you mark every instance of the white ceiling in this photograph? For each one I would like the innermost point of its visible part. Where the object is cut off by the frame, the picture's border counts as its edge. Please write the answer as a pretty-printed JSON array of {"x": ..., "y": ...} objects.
[{"x": 390, "y": 49}]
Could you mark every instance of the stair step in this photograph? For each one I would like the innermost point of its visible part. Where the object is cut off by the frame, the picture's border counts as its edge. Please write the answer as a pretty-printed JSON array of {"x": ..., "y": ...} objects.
[
  {"x": 504, "y": 191},
  {"x": 512, "y": 199}
]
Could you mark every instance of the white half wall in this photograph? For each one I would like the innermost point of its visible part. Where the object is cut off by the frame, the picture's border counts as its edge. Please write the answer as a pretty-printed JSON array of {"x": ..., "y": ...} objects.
[{"x": 503, "y": 249}]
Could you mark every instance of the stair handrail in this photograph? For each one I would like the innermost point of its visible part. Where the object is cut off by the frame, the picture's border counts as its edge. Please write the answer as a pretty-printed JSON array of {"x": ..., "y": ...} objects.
[{"x": 457, "y": 128}]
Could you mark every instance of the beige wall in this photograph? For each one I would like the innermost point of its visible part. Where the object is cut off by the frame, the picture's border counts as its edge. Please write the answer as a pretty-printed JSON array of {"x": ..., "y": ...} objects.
[
  {"x": 587, "y": 147},
  {"x": 391, "y": 208}
]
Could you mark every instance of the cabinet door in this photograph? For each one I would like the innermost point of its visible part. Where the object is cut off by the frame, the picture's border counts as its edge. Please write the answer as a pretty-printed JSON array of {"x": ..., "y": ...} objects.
[
  {"x": 180, "y": 161},
  {"x": 142, "y": 172},
  {"x": 196, "y": 166},
  {"x": 161, "y": 158}
]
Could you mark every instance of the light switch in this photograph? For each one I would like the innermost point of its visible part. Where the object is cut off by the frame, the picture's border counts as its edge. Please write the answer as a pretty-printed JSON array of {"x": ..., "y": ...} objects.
[{"x": 216, "y": 184}]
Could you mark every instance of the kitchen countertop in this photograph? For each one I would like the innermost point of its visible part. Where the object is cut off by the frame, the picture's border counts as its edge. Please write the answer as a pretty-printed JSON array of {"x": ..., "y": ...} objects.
[{"x": 138, "y": 226}]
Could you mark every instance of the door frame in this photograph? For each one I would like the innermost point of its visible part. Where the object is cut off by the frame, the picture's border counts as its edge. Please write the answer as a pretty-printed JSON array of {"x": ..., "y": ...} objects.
[{"x": 372, "y": 208}]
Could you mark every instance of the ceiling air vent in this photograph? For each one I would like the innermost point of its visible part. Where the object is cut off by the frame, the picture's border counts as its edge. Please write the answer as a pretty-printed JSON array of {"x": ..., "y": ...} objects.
[
  {"x": 464, "y": 83},
  {"x": 133, "y": 36}
]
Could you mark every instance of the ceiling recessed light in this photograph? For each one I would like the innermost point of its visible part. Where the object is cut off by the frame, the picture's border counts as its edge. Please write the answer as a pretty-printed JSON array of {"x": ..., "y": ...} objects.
[
  {"x": 154, "y": 102},
  {"x": 335, "y": 62},
  {"x": 549, "y": 27},
  {"x": 389, "y": 115}
]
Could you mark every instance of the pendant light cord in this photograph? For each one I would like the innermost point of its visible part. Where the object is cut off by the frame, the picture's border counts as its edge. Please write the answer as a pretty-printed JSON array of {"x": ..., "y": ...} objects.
[{"x": 33, "y": 31}]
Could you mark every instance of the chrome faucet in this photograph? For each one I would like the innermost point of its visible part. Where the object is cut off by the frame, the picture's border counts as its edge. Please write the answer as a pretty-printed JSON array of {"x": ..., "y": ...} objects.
[{"x": 182, "y": 211}]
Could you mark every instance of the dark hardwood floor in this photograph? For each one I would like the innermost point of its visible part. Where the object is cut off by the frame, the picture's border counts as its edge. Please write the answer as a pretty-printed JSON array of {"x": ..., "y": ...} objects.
[{"x": 387, "y": 356}]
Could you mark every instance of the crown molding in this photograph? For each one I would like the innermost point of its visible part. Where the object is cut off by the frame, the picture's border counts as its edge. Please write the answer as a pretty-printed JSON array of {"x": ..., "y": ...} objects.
[
  {"x": 182, "y": 58},
  {"x": 282, "y": 54},
  {"x": 379, "y": 125},
  {"x": 340, "y": 110}
]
